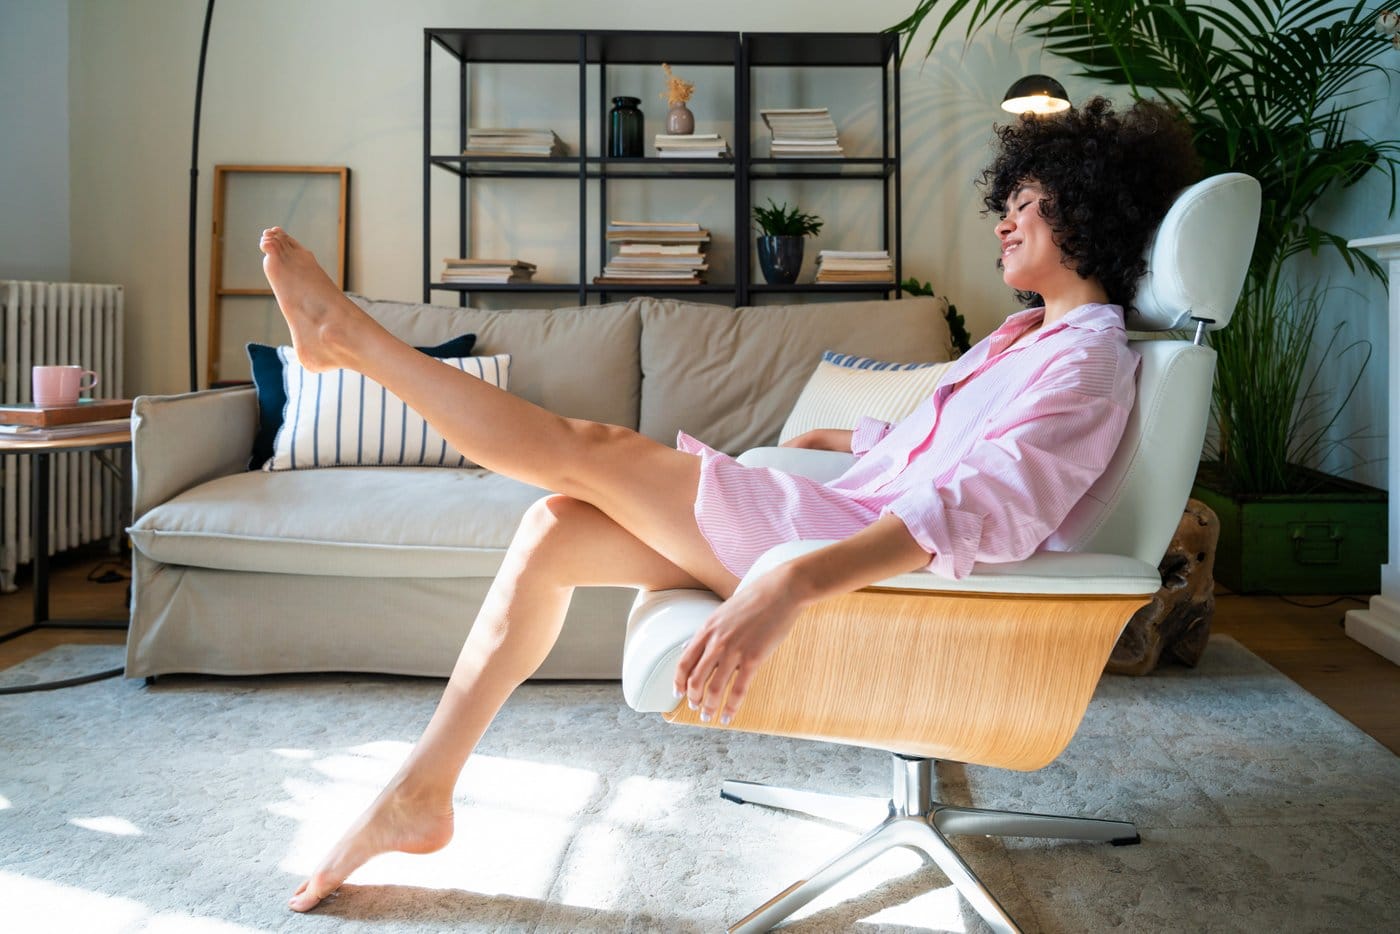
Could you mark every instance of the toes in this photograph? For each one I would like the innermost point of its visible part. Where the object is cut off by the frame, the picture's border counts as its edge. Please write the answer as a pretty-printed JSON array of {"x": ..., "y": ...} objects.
[{"x": 306, "y": 897}]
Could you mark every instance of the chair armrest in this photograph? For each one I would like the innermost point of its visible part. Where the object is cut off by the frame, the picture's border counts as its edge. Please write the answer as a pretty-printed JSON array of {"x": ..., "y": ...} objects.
[
  {"x": 818, "y": 465},
  {"x": 181, "y": 441},
  {"x": 1047, "y": 572}
]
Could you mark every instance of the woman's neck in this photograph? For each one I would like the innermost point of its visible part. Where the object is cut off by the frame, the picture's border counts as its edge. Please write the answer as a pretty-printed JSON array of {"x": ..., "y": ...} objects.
[{"x": 1061, "y": 303}]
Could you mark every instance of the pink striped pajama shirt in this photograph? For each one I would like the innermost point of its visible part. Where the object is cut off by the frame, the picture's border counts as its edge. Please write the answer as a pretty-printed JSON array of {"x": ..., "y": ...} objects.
[{"x": 985, "y": 469}]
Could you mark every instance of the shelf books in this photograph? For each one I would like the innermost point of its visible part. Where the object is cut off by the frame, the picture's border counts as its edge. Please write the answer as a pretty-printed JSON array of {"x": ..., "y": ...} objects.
[
  {"x": 855, "y": 266},
  {"x": 692, "y": 146},
  {"x": 49, "y": 416},
  {"x": 78, "y": 430},
  {"x": 487, "y": 271},
  {"x": 656, "y": 253},
  {"x": 802, "y": 133},
  {"x": 498, "y": 141}
]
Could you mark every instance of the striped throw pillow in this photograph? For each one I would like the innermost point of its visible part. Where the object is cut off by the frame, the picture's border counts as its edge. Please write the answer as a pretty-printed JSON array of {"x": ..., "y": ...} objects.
[
  {"x": 341, "y": 418},
  {"x": 846, "y": 387}
]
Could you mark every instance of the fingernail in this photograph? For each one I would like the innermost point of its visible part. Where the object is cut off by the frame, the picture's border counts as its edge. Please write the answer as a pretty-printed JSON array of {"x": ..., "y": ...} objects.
[
  {"x": 693, "y": 705},
  {"x": 677, "y": 693},
  {"x": 725, "y": 720},
  {"x": 704, "y": 716}
]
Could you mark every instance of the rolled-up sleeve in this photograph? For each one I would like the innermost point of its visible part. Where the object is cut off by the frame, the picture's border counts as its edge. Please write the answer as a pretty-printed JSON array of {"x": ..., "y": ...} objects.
[
  {"x": 1022, "y": 476},
  {"x": 868, "y": 433}
]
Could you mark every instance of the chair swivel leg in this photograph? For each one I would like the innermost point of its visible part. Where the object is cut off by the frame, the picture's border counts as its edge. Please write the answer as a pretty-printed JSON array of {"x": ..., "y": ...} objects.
[
  {"x": 950, "y": 819},
  {"x": 857, "y": 811}
]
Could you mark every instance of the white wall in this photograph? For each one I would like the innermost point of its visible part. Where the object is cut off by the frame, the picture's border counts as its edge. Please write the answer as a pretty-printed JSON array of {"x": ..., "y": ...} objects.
[
  {"x": 340, "y": 82},
  {"x": 33, "y": 139}
]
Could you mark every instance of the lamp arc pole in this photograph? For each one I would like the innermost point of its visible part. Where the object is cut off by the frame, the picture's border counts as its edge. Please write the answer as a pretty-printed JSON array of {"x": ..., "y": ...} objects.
[{"x": 194, "y": 194}]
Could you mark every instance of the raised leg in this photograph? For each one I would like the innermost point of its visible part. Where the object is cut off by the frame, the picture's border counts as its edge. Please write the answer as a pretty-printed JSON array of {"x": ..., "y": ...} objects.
[
  {"x": 562, "y": 543},
  {"x": 647, "y": 488}
]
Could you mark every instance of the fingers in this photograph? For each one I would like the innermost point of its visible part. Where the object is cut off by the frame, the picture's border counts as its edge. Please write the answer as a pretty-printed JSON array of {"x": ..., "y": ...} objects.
[{"x": 704, "y": 672}]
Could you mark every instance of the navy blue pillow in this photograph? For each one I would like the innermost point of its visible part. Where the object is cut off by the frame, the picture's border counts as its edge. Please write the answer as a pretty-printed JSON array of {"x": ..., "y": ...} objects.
[{"x": 272, "y": 394}]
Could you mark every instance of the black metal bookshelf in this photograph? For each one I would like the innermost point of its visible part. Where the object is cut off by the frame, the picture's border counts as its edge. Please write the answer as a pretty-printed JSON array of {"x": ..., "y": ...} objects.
[{"x": 602, "y": 48}]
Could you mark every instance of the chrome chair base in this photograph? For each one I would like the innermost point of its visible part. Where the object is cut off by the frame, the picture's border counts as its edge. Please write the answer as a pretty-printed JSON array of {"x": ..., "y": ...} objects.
[{"x": 913, "y": 819}]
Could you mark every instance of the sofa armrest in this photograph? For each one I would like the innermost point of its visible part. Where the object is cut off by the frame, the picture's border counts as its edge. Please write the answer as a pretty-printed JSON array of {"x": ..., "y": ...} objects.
[{"x": 181, "y": 441}]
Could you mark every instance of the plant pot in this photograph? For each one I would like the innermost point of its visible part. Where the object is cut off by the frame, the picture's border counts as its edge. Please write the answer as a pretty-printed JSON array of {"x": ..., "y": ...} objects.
[
  {"x": 1330, "y": 540},
  {"x": 780, "y": 258}
]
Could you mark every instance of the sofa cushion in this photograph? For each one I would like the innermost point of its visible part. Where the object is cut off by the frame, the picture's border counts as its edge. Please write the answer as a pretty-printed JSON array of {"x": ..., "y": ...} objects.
[
  {"x": 730, "y": 376},
  {"x": 578, "y": 362},
  {"x": 844, "y": 388},
  {"x": 353, "y": 521},
  {"x": 340, "y": 418}
]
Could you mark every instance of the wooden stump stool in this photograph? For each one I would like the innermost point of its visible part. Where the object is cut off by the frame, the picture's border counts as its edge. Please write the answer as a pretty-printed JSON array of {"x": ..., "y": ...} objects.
[{"x": 1176, "y": 624}]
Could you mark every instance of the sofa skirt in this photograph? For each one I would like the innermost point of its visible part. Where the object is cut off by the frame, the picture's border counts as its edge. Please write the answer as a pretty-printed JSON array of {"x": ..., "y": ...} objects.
[{"x": 207, "y": 621}]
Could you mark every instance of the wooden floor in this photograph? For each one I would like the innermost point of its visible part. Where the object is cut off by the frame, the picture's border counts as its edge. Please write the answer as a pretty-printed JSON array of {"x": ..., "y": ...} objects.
[{"x": 1306, "y": 643}]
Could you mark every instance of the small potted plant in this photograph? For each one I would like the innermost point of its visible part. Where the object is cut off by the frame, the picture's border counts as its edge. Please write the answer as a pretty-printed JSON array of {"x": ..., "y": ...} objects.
[{"x": 782, "y": 232}]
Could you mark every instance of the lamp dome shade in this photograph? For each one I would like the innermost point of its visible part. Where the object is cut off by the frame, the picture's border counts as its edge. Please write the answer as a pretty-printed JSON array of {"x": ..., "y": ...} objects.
[{"x": 1036, "y": 94}]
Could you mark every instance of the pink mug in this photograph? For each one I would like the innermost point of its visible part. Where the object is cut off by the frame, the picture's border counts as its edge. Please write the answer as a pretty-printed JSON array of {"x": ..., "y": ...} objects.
[{"x": 60, "y": 385}]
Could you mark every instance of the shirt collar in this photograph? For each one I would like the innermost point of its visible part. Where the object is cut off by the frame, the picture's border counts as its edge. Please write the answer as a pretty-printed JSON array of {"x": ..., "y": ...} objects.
[{"x": 1091, "y": 316}]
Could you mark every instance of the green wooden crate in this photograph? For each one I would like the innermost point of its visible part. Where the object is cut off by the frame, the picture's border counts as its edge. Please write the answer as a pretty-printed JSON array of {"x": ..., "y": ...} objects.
[{"x": 1328, "y": 541}]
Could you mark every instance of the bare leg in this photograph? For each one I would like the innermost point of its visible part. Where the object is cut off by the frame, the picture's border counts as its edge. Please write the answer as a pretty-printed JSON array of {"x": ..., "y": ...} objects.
[
  {"x": 562, "y": 543},
  {"x": 647, "y": 488}
]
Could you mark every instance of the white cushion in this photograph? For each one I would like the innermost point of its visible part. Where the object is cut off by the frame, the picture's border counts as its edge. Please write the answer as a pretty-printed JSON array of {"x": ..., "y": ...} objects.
[
  {"x": 845, "y": 387},
  {"x": 340, "y": 418},
  {"x": 410, "y": 522}
]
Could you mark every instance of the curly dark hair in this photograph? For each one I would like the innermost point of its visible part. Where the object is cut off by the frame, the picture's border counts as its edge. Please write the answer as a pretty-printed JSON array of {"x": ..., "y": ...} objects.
[{"x": 1108, "y": 180}]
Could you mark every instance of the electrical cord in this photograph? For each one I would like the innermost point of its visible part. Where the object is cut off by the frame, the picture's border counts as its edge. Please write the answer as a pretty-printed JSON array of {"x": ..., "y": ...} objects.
[{"x": 65, "y": 683}]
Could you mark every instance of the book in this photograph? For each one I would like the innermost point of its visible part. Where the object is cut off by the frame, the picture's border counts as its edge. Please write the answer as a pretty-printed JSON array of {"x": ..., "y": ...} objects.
[
  {"x": 659, "y": 249},
  {"x": 681, "y": 138},
  {"x": 87, "y": 410},
  {"x": 615, "y": 280},
  {"x": 77, "y": 430},
  {"x": 456, "y": 262},
  {"x": 653, "y": 225}
]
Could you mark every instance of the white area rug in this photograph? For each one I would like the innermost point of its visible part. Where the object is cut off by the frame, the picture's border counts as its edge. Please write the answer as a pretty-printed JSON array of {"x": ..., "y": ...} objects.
[{"x": 196, "y": 806}]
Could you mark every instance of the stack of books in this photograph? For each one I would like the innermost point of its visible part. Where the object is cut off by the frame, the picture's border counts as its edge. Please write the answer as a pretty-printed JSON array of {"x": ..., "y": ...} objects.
[
  {"x": 659, "y": 253},
  {"x": 802, "y": 133},
  {"x": 855, "y": 266},
  {"x": 498, "y": 141},
  {"x": 692, "y": 146},
  {"x": 487, "y": 271},
  {"x": 33, "y": 422}
]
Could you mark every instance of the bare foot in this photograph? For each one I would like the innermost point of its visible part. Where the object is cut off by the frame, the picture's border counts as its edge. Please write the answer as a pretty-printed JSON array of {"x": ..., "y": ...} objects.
[
  {"x": 322, "y": 319},
  {"x": 392, "y": 824}
]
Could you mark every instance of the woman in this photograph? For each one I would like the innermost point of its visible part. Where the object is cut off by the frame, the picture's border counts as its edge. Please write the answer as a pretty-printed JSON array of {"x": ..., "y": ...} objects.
[{"x": 983, "y": 471}]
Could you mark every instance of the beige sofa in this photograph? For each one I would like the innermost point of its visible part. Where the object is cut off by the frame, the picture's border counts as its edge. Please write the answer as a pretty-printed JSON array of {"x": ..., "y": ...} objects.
[{"x": 383, "y": 568}]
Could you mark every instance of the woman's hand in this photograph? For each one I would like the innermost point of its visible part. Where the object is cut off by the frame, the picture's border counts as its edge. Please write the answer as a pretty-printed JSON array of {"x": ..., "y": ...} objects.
[
  {"x": 822, "y": 439},
  {"x": 729, "y": 648}
]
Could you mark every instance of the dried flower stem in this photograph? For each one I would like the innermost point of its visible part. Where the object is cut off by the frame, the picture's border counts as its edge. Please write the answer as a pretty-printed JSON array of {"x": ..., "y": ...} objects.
[{"x": 677, "y": 90}]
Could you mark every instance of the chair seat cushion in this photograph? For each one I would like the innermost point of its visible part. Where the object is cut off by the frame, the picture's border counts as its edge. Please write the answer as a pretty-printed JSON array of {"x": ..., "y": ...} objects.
[{"x": 344, "y": 521}]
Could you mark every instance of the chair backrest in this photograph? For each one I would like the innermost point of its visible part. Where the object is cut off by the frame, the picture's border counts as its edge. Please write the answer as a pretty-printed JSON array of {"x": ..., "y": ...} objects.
[{"x": 1196, "y": 267}]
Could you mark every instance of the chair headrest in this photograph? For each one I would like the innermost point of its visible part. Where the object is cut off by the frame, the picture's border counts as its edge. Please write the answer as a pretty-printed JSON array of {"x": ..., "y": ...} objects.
[{"x": 1196, "y": 262}]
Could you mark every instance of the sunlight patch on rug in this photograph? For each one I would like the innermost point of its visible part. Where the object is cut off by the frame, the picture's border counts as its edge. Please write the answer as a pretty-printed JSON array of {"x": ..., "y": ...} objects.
[
  {"x": 109, "y": 824},
  {"x": 37, "y": 905}
]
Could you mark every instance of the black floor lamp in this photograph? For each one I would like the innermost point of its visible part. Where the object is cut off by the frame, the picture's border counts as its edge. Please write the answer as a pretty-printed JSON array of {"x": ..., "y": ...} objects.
[{"x": 194, "y": 193}]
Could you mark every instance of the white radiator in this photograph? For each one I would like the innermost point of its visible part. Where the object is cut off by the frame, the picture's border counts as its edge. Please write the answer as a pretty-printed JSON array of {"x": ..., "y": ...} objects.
[{"x": 58, "y": 323}]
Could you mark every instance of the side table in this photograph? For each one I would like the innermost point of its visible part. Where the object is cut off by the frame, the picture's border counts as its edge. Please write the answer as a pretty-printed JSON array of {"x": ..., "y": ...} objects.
[{"x": 42, "y": 450}]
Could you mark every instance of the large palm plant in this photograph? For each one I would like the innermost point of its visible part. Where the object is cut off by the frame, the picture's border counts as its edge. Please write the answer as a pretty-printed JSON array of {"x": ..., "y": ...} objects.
[{"x": 1266, "y": 85}]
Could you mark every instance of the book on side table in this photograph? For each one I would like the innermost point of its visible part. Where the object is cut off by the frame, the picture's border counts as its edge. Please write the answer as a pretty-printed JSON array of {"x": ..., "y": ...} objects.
[{"x": 45, "y": 422}]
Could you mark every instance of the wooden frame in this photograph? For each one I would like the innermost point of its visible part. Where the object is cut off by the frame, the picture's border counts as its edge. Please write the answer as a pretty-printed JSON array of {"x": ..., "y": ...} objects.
[
  {"x": 1000, "y": 680},
  {"x": 218, "y": 291}
]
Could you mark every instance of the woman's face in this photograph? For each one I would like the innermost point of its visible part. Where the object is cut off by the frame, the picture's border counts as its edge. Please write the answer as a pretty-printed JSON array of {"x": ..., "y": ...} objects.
[{"x": 1029, "y": 260}]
